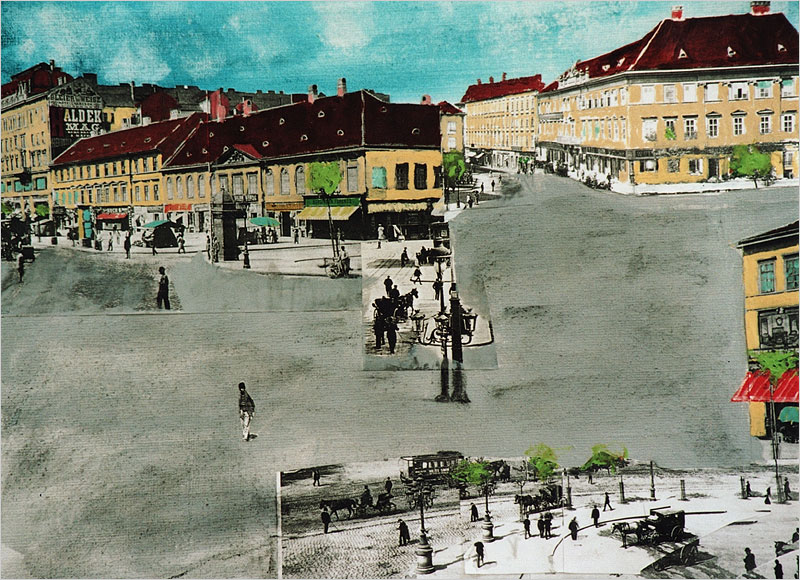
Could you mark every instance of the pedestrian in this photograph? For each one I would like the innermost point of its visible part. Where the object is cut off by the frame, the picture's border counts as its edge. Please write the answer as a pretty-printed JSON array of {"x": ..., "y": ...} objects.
[
  {"x": 296, "y": 235},
  {"x": 481, "y": 187},
  {"x": 778, "y": 569},
  {"x": 315, "y": 477},
  {"x": 388, "y": 283},
  {"x": 381, "y": 235},
  {"x": 469, "y": 201},
  {"x": 749, "y": 561},
  {"x": 404, "y": 258},
  {"x": 345, "y": 261},
  {"x": 394, "y": 293},
  {"x": 391, "y": 333},
  {"x": 163, "y": 289},
  {"x": 573, "y": 528},
  {"x": 387, "y": 485},
  {"x": 768, "y": 496},
  {"x": 473, "y": 513},
  {"x": 379, "y": 328},
  {"x": 417, "y": 276},
  {"x": 181, "y": 244},
  {"x": 747, "y": 491},
  {"x": 127, "y": 246},
  {"x": 153, "y": 243},
  {"x": 110, "y": 242},
  {"x": 590, "y": 477},
  {"x": 787, "y": 492},
  {"x": 548, "y": 525},
  {"x": 596, "y": 516},
  {"x": 607, "y": 503},
  {"x": 479, "y": 553},
  {"x": 796, "y": 535},
  {"x": 438, "y": 285},
  {"x": 526, "y": 523},
  {"x": 21, "y": 267},
  {"x": 247, "y": 408},
  {"x": 246, "y": 264},
  {"x": 208, "y": 246},
  {"x": 405, "y": 537},
  {"x": 492, "y": 185},
  {"x": 326, "y": 519},
  {"x": 215, "y": 246},
  {"x": 540, "y": 524}
]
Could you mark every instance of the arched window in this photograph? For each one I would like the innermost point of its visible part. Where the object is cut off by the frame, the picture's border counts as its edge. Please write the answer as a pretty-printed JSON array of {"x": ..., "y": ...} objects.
[
  {"x": 201, "y": 186},
  {"x": 284, "y": 182},
  {"x": 190, "y": 187},
  {"x": 179, "y": 184},
  {"x": 300, "y": 180},
  {"x": 170, "y": 190},
  {"x": 269, "y": 182}
]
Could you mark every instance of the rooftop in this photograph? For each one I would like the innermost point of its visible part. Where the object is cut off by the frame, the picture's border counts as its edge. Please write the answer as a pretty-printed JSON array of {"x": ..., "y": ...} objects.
[{"x": 492, "y": 90}]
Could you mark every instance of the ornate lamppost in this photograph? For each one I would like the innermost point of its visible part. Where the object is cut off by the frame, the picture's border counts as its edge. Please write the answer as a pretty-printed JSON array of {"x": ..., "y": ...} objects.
[{"x": 424, "y": 552}]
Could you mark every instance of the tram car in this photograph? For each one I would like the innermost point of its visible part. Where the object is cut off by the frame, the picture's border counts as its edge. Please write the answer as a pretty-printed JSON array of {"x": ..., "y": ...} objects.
[{"x": 432, "y": 467}]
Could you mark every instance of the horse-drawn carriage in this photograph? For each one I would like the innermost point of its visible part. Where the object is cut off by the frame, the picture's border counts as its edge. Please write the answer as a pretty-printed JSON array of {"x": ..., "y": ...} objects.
[
  {"x": 548, "y": 497},
  {"x": 664, "y": 532},
  {"x": 397, "y": 308}
]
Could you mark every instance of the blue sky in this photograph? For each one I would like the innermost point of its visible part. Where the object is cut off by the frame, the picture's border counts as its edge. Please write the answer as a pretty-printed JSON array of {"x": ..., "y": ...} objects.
[{"x": 405, "y": 49}]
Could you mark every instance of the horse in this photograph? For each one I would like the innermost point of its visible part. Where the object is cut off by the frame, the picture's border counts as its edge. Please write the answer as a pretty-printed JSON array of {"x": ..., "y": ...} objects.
[
  {"x": 525, "y": 501},
  {"x": 405, "y": 302},
  {"x": 334, "y": 505}
]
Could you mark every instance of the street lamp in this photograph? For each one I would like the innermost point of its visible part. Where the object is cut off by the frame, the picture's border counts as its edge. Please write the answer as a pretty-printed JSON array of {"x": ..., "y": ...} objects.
[
  {"x": 488, "y": 526},
  {"x": 424, "y": 552}
]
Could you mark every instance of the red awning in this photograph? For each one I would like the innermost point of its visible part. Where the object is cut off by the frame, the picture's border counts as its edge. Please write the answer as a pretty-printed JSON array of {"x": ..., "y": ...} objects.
[
  {"x": 786, "y": 390},
  {"x": 112, "y": 216},
  {"x": 177, "y": 207},
  {"x": 754, "y": 388}
]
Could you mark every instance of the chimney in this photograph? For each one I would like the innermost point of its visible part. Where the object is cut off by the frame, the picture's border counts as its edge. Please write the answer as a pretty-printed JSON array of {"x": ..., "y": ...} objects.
[
  {"x": 677, "y": 12},
  {"x": 426, "y": 99},
  {"x": 491, "y": 80},
  {"x": 341, "y": 87},
  {"x": 759, "y": 7},
  {"x": 479, "y": 81},
  {"x": 52, "y": 65},
  {"x": 504, "y": 76},
  {"x": 312, "y": 93},
  {"x": 133, "y": 96}
]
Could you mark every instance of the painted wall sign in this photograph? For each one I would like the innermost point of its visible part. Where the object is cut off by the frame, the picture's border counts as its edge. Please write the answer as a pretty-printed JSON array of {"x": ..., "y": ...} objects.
[{"x": 76, "y": 123}]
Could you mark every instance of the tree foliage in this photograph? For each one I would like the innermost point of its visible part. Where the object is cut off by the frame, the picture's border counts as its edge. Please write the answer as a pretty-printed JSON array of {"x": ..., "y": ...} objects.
[
  {"x": 604, "y": 458},
  {"x": 42, "y": 210},
  {"x": 749, "y": 161},
  {"x": 6, "y": 209},
  {"x": 776, "y": 362},
  {"x": 542, "y": 460},
  {"x": 324, "y": 177},
  {"x": 472, "y": 472},
  {"x": 454, "y": 165}
]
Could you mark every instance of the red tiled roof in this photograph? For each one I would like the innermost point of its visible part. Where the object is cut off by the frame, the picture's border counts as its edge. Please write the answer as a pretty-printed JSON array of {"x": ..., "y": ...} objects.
[
  {"x": 249, "y": 150},
  {"x": 164, "y": 137},
  {"x": 485, "y": 91},
  {"x": 354, "y": 120},
  {"x": 447, "y": 109},
  {"x": 713, "y": 41},
  {"x": 41, "y": 78}
]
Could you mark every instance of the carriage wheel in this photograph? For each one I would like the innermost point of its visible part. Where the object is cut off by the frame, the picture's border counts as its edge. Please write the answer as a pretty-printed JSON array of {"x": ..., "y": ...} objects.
[
  {"x": 688, "y": 554},
  {"x": 676, "y": 533}
]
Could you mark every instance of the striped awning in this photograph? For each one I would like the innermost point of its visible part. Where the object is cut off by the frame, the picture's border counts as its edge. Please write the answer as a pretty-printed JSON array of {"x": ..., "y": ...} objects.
[
  {"x": 339, "y": 213},
  {"x": 786, "y": 391},
  {"x": 397, "y": 206},
  {"x": 755, "y": 388}
]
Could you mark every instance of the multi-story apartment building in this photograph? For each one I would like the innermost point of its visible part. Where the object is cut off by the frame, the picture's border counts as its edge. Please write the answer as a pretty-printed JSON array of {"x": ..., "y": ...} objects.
[
  {"x": 451, "y": 125},
  {"x": 770, "y": 276},
  {"x": 670, "y": 107},
  {"x": 500, "y": 120}
]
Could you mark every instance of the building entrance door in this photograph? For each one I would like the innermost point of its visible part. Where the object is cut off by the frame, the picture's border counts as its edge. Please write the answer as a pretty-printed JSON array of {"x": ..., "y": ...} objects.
[{"x": 713, "y": 167}]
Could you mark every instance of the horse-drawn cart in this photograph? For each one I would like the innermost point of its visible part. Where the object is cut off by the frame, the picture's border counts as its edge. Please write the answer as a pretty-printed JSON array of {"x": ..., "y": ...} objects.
[{"x": 663, "y": 535}]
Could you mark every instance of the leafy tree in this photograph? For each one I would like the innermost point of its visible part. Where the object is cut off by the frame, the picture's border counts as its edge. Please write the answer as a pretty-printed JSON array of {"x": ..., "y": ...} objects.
[
  {"x": 669, "y": 133},
  {"x": 475, "y": 472},
  {"x": 542, "y": 461},
  {"x": 454, "y": 165},
  {"x": 324, "y": 177},
  {"x": 776, "y": 362},
  {"x": 602, "y": 457},
  {"x": 6, "y": 209},
  {"x": 749, "y": 161},
  {"x": 42, "y": 210}
]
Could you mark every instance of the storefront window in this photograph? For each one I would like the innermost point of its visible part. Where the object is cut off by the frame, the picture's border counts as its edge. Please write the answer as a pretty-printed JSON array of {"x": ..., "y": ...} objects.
[{"x": 778, "y": 328}]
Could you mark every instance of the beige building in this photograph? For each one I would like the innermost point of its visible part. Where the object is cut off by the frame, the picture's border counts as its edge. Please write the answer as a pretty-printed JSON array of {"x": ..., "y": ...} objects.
[{"x": 670, "y": 107}]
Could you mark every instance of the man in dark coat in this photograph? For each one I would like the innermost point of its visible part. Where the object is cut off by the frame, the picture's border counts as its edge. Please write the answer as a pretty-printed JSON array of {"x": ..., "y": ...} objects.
[
  {"x": 607, "y": 503},
  {"x": 405, "y": 537},
  {"x": 315, "y": 477},
  {"x": 391, "y": 333},
  {"x": 749, "y": 561},
  {"x": 541, "y": 525},
  {"x": 394, "y": 293},
  {"x": 387, "y": 485},
  {"x": 326, "y": 519},
  {"x": 388, "y": 283},
  {"x": 778, "y": 569},
  {"x": 404, "y": 258},
  {"x": 247, "y": 408},
  {"x": 380, "y": 328},
  {"x": 526, "y": 523},
  {"x": 437, "y": 288},
  {"x": 596, "y": 516},
  {"x": 548, "y": 525},
  {"x": 473, "y": 513},
  {"x": 366, "y": 497},
  {"x": 479, "y": 553},
  {"x": 127, "y": 246},
  {"x": 573, "y": 528},
  {"x": 163, "y": 289}
]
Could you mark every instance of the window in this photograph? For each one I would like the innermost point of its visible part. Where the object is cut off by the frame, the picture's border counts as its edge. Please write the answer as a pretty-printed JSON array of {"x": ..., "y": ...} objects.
[
  {"x": 790, "y": 271},
  {"x": 739, "y": 92},
  {"x": 648, "y": 94},
  {"x": 777, "y": 328},
  {"x": 648, "y": 165},
  {"x": 765, "y": 124},
  {"x": 401, "y": 176},
  {"x": 116, "y": 193},
  {"x": 137, "y": 192},
  {"x": 673, "y": 165},
  {"x": 155, "y": 192},
  {"x": 696, "y": 166},
  {"x": 123, "y": 192},
  {"x": 451, "y": 127},
  {"x": 170, "y": 189},
  {"x": 712, "y": 126},
  {"x": 787, "y": 121},
  {"x": 147, "y": 193},
  {"x": 223, "y": 184},
  {"x": 787, "y": 88},
  {"x": 269, "y": 182},
  {"x": 689, "y": 92},
  {"x": 689, "y": 128},
  {"x": 451, "y": 143},
  {"x": 284, "y": 182},
  {"x": 437, "y": 177},
  {"x": 179, "y": 186},
  {"x": 738, "y": 125},
  {"x": 252, "y": 184},
  {"x": 300, "y": 180},
  {"x": 238, "y": 186},
  {"x": 623, "y": 129},
  {"x": 670, "y": 94},
  {"x": 379, "y": 177},
  {"x": 766, "y": 276},
  {"x": 352, "y": 177},
  {"x": 190, "y": 187},
  {"x": 764, "y": 90},
  {"x": 649, "y": 128},
  {"x": 711, "y": 92},
  {"x": 669, "y": 128},
  {"x": 201, "y": 186},
  {"x": 420, "y": 176}
]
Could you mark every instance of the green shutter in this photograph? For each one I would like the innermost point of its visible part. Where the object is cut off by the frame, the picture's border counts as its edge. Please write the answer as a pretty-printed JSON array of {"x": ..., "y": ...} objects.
[{"x": 379, "y": 177}]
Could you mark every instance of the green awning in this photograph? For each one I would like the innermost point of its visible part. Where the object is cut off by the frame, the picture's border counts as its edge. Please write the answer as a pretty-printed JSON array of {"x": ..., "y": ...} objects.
[
  {"x": 789, "y": 415},
  {"x": 265, "y": 221},
  {"x": 155, "y": 224}
]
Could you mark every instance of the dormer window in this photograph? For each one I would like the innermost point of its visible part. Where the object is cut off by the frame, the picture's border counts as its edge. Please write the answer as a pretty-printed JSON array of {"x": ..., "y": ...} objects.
[
  {"x": 205, "y": 151},
  {"x": 415, "y": 131},
  {"x": 321, "y": 114},
  {"x": 147, "y": 139},
  {"x": 781, "y": 48},
  {"x": 620, "y": 61},
  {"x": 383, "y": 109},
  {"x": 224, "y": 149},
  {"x": 682, "y": 54},
  {"x": 211, "y": 133},
  {"x": 188, "y": 154},
  {"x": 340, "y": 132},
  {"x": 304, "y": 137},
  {"x": 606, "y": 67},
  {"x": 281, "y": 121},
  {"x": 731, "y": 52},
  {"x": 265, "y": 143},
  {"x": 241, "y": 128}
]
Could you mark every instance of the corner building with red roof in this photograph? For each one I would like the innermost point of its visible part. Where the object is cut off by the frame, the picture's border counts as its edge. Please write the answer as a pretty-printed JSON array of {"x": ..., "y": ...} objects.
[{"x": 669, "y": 107}]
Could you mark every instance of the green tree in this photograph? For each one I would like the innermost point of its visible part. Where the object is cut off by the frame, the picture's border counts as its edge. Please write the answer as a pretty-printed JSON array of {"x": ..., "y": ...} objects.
[
  {"x": 324, "y": 177},
  {"x": 42, "y": 210},
  {"x": 453, "y": 166},
  {"x": 604, "y": 458},
  {"x": 776, "y": 362},
  {"x": 749, "y": 161},
  {"x": 474, "y": 472},
  {"x": 6, "y": 209},
  {"x": 542, "y": 461}
]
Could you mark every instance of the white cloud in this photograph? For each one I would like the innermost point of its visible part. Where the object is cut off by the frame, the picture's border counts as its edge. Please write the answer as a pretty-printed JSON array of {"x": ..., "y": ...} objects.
[
  {"x": 346, "y": 26},
  {"x": 136, "y": 59}
]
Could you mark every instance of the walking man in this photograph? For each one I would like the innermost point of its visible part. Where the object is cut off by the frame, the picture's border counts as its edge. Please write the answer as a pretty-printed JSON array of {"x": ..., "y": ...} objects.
[
  {"x": 596, "y": 516},
  {"x": 127, "y": 246},
  {"x": 540, "y": 525},
  {"x": 417, "y": 278},
  {"x": 296, "y": 235},
  {"x": 379, "y": 328},
  {"x": 437, "y": 288},
  {"x": 208, "y": 246},
  {"x": 548, "y": 525},
  {"x": 381, "y": 235},
  {"x": 388, "y": 284},
  {"x": 247, "y": 408},
  {"x": 787, "y": 491},
  {"x": 473, "y": 513},
  {"x": 749, "y": 561},
  {"x": 391, "y": 333},
  {"x": 163, "y": 289},
  {"x": 181, "y": 244},
  {"x": 573, "y": 528},
  {"x": 479, "y": 553},
  {"x": 607, "y": 503},
  {"x": 110, "y": 242},
  {"x": 526, "y": 523},
  {"x": 404, "y": 258},
  {"x": 315, "y": 477},
  {"x": 405, "y": 537},
  {"x": 21, "y": 267},
  {"x": 388, "y": 485},
  {"x": 326, "y": 519},
  {"x": 747, "y": 491},
  {"x": 492, "y": 185},
  {"x": 778, "y": 569}
]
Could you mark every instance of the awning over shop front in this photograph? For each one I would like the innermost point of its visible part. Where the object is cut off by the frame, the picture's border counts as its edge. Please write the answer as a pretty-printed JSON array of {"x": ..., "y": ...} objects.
[
  {"x": 112, "y": 216},
  {"x": 439, "y": 209},
  {"x": 397, "y": 206},
  {"x": 341, "y": 213},
  {"x": 283, "y": 206},
  {"x": 755, "y": 388},
  {"x": 177, "y": 207},
  {"x": 789, "y": 415},
  {"x": 155, "y": 224}
]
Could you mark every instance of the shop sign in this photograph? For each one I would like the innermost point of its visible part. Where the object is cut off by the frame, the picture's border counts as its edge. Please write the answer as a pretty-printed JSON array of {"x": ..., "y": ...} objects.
[{"x": 76, "y": 123}]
